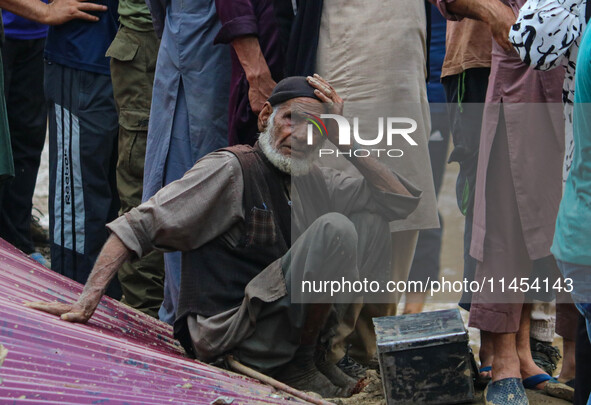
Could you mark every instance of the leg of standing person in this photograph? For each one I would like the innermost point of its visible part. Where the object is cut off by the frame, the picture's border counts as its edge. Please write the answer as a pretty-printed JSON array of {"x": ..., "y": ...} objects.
[
  {"x": 503, "y": 314},
  {"x": 362, "y": 339},
  {"x": 27, "y": 118},
  {"x": 504, "y": 251},
  {"x": 542, "y": 330},
  {"x": 82, "y": 158},
  {"x": 566, "y": 326},
  {"x": 549, "y": 317},
  {"x": 580, "y": 280},
  {"x": 426, "y": 261},
  {"x": 466, "y": 93},
  {"x": 365, "y": 96},
  {"x": 133, "y": 61},
  {"x": 190, "y": 96},
  {"x": 583, "y": 366},
  {"x": 557, "y": 316},
  {"x": 178, "y": 161},
  {"x": 6, "y": 162}
]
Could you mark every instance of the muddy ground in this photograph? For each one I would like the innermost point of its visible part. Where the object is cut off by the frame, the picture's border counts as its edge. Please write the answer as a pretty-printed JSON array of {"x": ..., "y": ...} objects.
[{"x": 373, "y": 395}]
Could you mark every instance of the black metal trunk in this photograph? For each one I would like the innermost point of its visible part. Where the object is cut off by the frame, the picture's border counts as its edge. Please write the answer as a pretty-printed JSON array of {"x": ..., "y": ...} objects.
[{"x": 425, "y": 358}]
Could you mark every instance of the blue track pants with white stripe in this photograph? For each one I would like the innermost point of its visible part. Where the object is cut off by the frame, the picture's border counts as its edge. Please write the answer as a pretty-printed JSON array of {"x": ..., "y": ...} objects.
[{"x": 83, "y": 198}]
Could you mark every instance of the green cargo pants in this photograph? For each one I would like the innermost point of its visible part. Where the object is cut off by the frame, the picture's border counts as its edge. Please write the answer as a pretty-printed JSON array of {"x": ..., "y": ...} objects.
[{"x": 133, "y": 62}]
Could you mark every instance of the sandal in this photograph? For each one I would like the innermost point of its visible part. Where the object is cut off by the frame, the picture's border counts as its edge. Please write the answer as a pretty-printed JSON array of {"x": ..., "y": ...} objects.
[
  {"x": 505, "y": 391},
  {"x": 485, "y": 369},
  {"x": 480, "y": 382},
  {"x": 553, "y": 387}
]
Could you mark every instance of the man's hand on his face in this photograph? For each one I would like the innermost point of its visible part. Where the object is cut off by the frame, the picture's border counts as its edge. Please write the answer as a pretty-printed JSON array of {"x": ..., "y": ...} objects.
[
  {"x": 81, "y": 311},
  {"x": 328, "y": 95},
  {"x": 61, "y": 11}
]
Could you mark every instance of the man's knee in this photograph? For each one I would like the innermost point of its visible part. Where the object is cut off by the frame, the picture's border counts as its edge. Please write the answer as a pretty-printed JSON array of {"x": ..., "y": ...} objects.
[
  {"x": 337, "y": 230},
  {"x": 374, "y": 247},
  {"x": 368, "y": 223},
  {"x": 327, "y": 250}
]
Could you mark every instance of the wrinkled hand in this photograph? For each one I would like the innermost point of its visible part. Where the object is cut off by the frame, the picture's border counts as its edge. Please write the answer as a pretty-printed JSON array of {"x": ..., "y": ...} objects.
[
  {"x": 81, "y": 311},
  {"x": 260, "y": 89},
  {"x": 327, "y": 94},
  {"x": 61, "y": 11},
  {"x": 500, "y": 25}
]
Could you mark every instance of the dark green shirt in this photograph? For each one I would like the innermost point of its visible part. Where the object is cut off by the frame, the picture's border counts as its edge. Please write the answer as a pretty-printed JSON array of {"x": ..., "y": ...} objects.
[{"x": 135, "y": 14}]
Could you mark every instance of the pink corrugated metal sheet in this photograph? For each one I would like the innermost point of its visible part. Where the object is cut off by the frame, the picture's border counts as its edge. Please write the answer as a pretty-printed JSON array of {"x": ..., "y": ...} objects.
[{"x": 120, "y": 357}]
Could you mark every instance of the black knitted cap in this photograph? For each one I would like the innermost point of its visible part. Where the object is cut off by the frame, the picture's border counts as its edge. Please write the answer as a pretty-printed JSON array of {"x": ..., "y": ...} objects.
[{"x": 291, "y": 87}]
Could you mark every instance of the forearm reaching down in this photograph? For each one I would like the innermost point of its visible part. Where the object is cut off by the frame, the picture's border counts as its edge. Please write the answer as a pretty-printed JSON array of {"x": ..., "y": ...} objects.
[
  {"x": 258, "y": 75},
  {"x": 112, "y": 256}
]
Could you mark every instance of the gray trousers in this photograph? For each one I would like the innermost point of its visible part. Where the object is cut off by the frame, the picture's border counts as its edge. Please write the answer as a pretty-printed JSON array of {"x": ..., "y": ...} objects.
[{"x": 264, "y": 332}]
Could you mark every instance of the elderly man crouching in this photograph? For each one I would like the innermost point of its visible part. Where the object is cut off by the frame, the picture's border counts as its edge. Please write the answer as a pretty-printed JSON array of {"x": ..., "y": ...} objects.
[{"x": 232, "y": 215}]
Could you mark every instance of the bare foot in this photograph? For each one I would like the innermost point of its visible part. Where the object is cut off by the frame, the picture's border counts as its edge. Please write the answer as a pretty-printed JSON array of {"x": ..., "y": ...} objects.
[
  {"x": 528, "y": 367},
  {"x": 486, "y": 354},
  {"x": 414, "y": 303},
  {"x": 505, "y": 361},
  {"x": 567, "y": 372},
  {"x": 529, "y": 370}
]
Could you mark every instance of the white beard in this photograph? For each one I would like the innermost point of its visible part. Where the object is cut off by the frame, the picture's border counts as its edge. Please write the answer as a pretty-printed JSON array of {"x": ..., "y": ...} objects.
[{"x": 293, "y": 167}]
